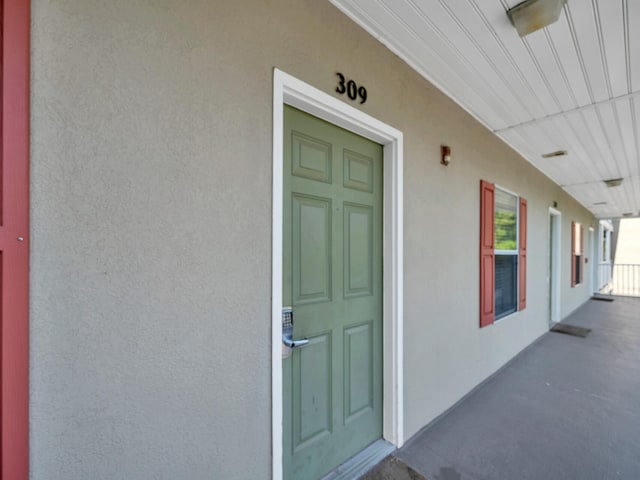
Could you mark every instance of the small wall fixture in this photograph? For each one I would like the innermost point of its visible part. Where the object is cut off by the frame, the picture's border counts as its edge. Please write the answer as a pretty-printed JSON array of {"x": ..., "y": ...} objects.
[
  {"x": 532, "y": 15},
  {"x": 446, "y": 155},
  {"x": 614, "y": 182}
]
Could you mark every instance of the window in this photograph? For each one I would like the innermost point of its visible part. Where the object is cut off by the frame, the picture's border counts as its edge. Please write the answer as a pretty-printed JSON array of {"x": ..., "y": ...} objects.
[
  {"x": 577, "y": 257},
  {"x": 605, "y": 227},
  {"x": 503, "y": 245},
  {"x": 505, "y": 229}
]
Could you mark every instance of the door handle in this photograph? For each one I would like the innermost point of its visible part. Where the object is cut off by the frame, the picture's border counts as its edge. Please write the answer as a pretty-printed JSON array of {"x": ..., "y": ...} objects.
[
  {"x": 287, "y": 330},
  {"x": 291, "y": 343}
]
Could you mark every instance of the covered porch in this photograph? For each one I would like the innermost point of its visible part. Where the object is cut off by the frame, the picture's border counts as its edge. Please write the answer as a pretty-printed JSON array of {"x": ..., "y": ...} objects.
[{"x": 566, "y": 407}]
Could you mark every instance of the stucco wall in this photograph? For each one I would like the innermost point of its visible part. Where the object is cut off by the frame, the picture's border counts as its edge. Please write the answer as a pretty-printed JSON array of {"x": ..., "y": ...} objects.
[
  {"x": 572, "y": 297},
  {"x": 151, "y": 228}
]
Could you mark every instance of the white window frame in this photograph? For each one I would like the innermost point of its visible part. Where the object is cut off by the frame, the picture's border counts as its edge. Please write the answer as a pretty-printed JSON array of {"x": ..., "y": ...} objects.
[
  {"x": 579, "y": 243},
  {"x": 515, "y": 252}
]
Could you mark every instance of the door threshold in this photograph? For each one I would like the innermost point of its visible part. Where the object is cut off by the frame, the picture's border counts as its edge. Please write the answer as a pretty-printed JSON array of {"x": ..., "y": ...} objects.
[{"x": 362, "y": 462}]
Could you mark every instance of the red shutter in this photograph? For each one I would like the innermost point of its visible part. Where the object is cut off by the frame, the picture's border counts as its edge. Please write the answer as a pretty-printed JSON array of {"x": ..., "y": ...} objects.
[
  {"x": 14, "y": 240},
  {"x": 522, "y": 254},
  {"x": 573, "y": 254},
  {"x": 487, "y": 256}
]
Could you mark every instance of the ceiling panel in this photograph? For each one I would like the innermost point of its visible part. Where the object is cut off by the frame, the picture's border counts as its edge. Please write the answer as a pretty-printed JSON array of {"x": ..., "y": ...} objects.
[
  {"x": 574, "y": 85},
  {"x": 424, "y": 49},
  {"x": 602, "y": 153},
  {"x": 634, "y": 185},
  {"x": 434, "y": 32},
  {"x": 615, "y": 152},
  {"x": 578, "y": 144},
  {"x": 584, "y": 144},
  {"x": 632, "y": 9},
  {"x": 562, "y": 42},
  {"x": 612, "y": 31},
  {"x": 540, "y": 48},
  {"x": 538, "y": 97},
  {"x": 480, "y": 48},
  {"x": 581, "y": 21},
  {"x": 635, "y": 120},
  {"x": 518, "y": 142},
  {"x": 626, "y": 128}
]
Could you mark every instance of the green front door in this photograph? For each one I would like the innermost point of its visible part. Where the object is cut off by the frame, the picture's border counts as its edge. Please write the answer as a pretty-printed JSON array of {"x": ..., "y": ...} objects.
[{"x": 332, "y": 277}]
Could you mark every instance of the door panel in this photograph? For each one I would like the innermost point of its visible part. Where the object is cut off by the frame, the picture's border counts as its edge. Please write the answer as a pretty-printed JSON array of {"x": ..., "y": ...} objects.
[
  {"x": 312, "y": 391},
  {"x": 311, "y": 249},
  {"x": 358, "y": 250},
  {"x": 332, "y": 276},
  {"x": 358, "y": 171},
  {"x": 311, "y": 158},
  {"x": 358, "y": 370}
]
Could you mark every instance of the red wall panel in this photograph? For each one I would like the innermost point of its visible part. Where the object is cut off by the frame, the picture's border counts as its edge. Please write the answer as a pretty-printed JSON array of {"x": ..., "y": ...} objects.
[{"x": 14, "y": 242}]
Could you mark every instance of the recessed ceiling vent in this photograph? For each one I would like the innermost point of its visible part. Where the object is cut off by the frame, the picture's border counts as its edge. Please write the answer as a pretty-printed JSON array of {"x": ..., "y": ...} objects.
[
  {"x": 627, "y": 214},
  {"x": 614, "y": 182},
  {"x": 557, "y": 153},
  {"x": 597, "y": 204}
]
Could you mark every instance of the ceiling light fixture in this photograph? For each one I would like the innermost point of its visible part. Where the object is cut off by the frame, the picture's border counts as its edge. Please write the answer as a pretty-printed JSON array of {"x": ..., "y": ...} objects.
[
  {"x": 614, "y": 182},
  {"x": 557, "y": 153},
  {"x": 532, "y": 15}
]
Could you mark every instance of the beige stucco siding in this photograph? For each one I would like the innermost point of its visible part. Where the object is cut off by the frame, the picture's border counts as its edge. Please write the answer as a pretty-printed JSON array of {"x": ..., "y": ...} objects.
[{"x": 151, "y": 187}]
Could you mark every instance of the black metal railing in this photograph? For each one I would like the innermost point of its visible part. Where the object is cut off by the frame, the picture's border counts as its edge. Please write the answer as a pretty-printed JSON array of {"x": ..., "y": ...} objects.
[{"x": 625, "y": 280}]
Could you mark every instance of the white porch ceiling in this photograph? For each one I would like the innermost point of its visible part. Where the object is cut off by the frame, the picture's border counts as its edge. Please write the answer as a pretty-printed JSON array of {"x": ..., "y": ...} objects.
[{"x": 574, "y": 85}]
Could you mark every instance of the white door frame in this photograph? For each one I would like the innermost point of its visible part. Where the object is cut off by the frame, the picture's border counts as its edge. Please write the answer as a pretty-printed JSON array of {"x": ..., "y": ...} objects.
[
  {"x": 593, "y": 252},
  {"x": 289, "y": 90},
  {"x": 556, "y": 263}
]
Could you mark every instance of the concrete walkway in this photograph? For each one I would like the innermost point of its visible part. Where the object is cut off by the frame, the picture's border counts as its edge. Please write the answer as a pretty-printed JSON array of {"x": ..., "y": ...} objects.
[{"x": 565, "y": 408}]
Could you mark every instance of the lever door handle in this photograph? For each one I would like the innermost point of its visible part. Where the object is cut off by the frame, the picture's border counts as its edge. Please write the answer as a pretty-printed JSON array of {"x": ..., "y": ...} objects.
[
  {"x": 291, "y": 343},
  {"x": 287, "y": 330}
]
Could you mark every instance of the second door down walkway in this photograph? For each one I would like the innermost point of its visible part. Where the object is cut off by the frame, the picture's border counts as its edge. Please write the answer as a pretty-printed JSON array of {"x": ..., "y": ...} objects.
[{"x": 565, "y": 408}]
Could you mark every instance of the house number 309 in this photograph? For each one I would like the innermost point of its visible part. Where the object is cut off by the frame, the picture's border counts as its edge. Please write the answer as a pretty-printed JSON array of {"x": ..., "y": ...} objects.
[{"x": 352, "y": 90}]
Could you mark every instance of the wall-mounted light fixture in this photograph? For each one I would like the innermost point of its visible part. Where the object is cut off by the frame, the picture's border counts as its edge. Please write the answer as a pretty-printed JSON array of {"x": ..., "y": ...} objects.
[
  {"x": 445, "y": 159},
  {"x": 532, "y": 15}
]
